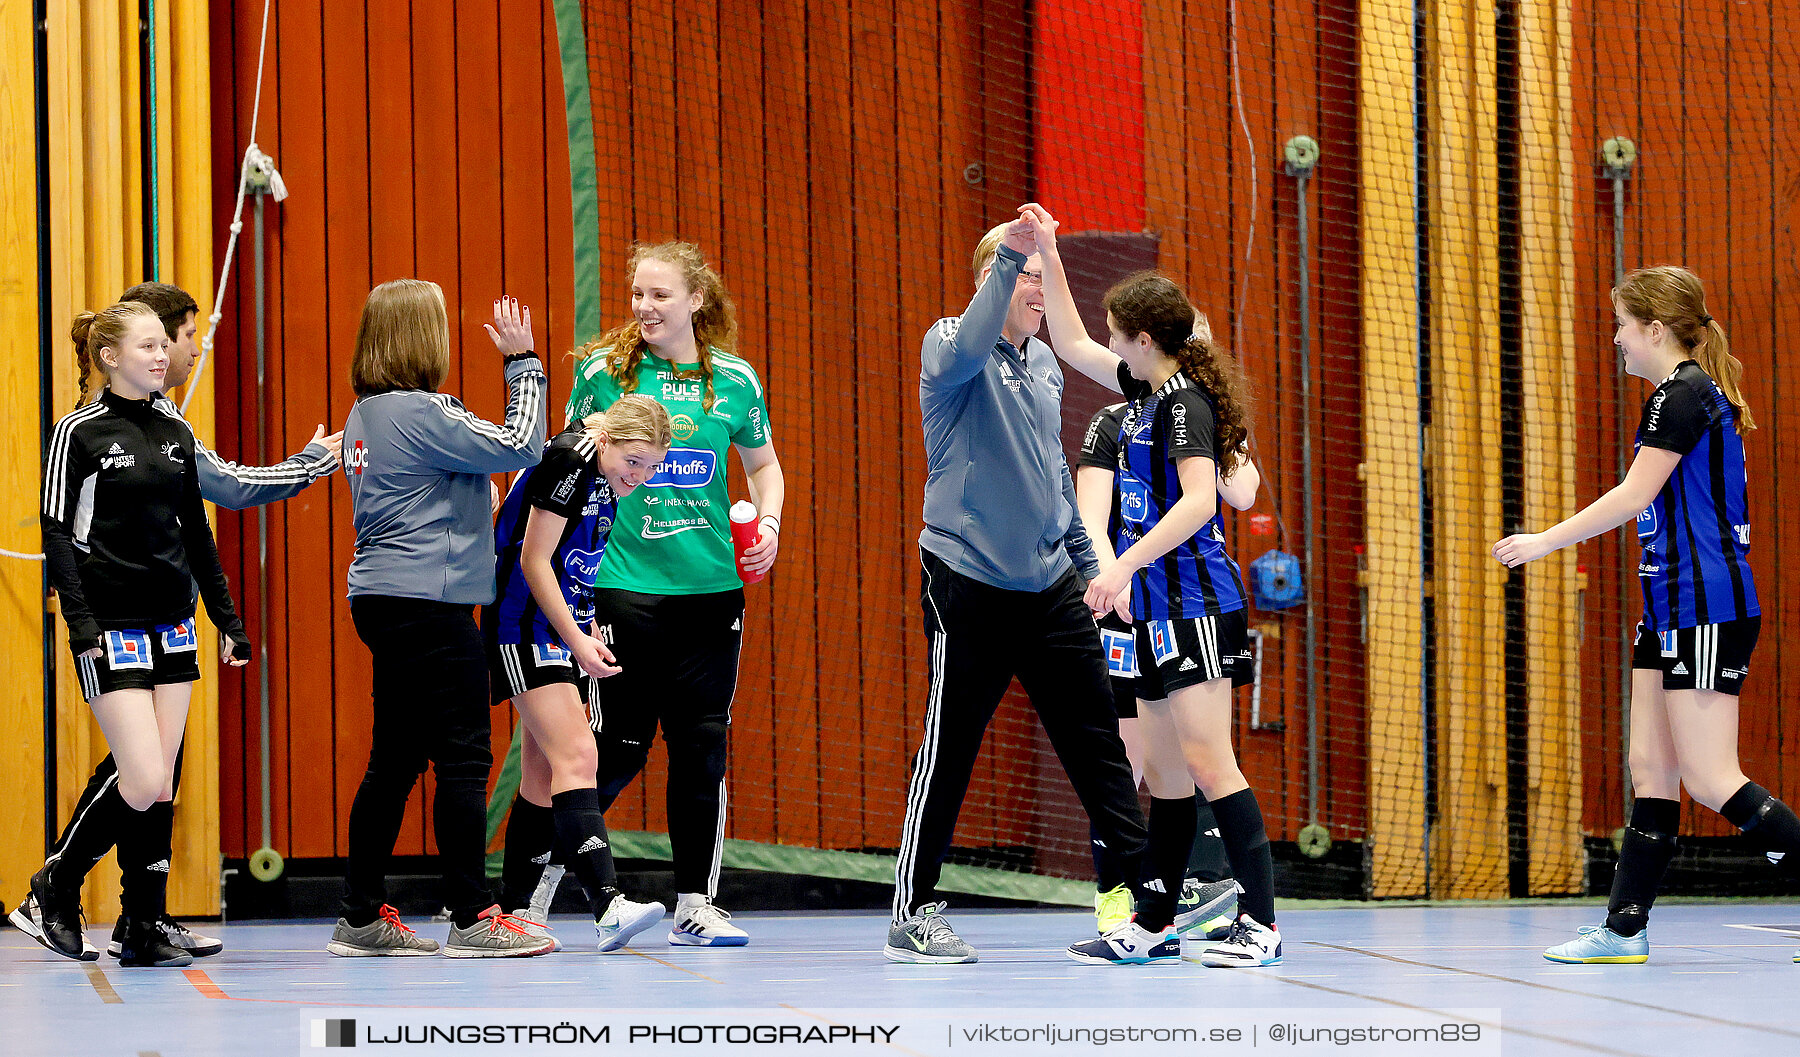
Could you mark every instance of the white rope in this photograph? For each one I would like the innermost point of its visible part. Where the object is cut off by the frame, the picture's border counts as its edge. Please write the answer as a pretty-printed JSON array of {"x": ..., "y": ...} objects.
[
  {"x": 254, "y": 160},
  {"x": 26, "y": 557}
]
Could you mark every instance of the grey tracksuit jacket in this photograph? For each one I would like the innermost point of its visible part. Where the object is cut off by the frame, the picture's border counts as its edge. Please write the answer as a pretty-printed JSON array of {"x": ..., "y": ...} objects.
[
  {"x": 418, "y": 466},
  {"x": 999, "y": 501}
]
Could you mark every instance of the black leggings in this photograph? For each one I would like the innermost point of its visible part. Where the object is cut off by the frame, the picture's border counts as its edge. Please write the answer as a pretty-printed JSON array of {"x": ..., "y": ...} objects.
[
  {"x": 431, "y": 706},
  {"x": 680, "y": 659}
]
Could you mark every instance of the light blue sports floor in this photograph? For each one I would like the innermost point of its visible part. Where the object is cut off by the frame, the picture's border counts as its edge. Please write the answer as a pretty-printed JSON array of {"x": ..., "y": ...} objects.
[{"x": 1721, "y": 981}]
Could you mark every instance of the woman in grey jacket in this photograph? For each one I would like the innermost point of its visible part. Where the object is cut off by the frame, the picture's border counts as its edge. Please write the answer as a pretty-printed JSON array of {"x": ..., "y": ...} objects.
[{"x": 418, "y": 463}]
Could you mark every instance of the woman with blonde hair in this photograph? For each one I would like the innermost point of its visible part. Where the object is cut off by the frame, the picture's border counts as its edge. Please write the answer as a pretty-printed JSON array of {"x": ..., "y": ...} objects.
[
  {"x": 418, "y": 463},
  {"x": 670, "y": 593},
  {"x": 1686, "y": 491},
  {"x": 544, "y": 651},
  {"x": 126, "y": 539}
]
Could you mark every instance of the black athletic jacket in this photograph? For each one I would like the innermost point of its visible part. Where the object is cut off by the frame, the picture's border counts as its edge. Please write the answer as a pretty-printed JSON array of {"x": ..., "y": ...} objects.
[{"x": 125, "y": 531}]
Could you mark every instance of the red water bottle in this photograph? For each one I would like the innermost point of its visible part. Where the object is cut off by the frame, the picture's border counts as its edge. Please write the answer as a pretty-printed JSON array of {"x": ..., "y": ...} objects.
[{"x": 744, "y": 536}]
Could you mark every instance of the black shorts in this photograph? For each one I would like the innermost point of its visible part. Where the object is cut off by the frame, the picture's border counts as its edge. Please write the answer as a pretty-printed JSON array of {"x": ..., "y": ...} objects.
[
  {"x": 141, "y": 658},
  {"x": 1175, "y": 654},
  {"x": 1709, "y": 657},
  {"x": 1120, "y": 644},
  {"x": 514, "y": 668}
]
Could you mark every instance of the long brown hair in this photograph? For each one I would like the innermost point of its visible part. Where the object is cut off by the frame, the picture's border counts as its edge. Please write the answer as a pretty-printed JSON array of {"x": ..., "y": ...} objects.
[
  {"x": 1150, "y": 303},
  {"x": 93, "y": 331},
  {"x": 1677, "y": 297},
  {"x": 403, "y": 340},
  {"x": 715, "y": 321}
]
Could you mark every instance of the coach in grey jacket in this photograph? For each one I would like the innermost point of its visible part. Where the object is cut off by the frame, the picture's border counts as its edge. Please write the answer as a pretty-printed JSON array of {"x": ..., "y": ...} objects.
[
  {"x": 1002, "y": 596},
  {"x": 418, "y": 463}
]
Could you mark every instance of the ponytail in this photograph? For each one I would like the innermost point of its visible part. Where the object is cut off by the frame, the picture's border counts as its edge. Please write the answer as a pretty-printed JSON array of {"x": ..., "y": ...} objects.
[
  {"x": 1712, "y": 351},
  {"x": 1223, "y": 379}
]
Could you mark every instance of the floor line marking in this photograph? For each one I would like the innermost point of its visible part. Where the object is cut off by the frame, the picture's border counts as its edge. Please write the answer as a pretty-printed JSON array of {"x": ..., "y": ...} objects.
[
  {"x": 672, "y": 965},
  {"x": 97, "y": 977},
  {"x": 1563, "y": 990}
]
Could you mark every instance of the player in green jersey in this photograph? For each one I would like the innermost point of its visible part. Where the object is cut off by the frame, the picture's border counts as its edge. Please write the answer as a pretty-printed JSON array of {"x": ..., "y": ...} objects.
[{"x": 669, "y": 597}]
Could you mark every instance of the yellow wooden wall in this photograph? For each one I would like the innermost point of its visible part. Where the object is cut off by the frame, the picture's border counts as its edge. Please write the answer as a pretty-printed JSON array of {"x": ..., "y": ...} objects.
[
  {"x": 97, "y": 250},
  {"x": 21, "y": 595}
]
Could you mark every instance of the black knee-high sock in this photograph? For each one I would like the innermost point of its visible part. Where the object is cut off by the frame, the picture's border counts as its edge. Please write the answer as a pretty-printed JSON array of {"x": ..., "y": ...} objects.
[
  {"x": 1208, "y": 862},
  {"x": 148, "y": 886},
  {"x": 581, "y": 831},
  {"x": 1171, "y": 837},
  {"x": 529, "y": 834},
  {"x": 1106, "y": 869},
  {"x": 1247, "y": 847},
  {"x": 90, "y": 835},
  {"x": 1644, "y": 857},
  {"x": 144, "y": 859},
  {"x": 1768, "y": 822}
]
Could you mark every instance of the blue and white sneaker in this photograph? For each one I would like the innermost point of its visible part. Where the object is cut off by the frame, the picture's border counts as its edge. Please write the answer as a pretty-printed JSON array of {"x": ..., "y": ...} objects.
[
  {"x": 624, "y": 919},
  {"x": 1128, "y": 945},
  {"x": 705, "y": 925},
  {"x": 1249, "y": 944},
  {"x": 1599, "y": 945}
]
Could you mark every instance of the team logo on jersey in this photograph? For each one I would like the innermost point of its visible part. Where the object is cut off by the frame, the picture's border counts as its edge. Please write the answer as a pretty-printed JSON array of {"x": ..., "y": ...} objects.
[
  {"x": 685, "y": 468},
  {"x": 1670, "y": 646},
  {"x": 756, "y": 423},
  {"x": 128, "y": 649},
  {"x": 116, "y": 458},
  {"x": 1134, "y": 500},
  {"x": 1121, "y": 653},
  {"x": 1646, "y": 523},
  {"x": 689, "y": 389},
  {"x": 359, "y": 458},
  {"x": 1179, "y": 433},
  {"x": 172, "y": 451},
  {"x": 179, "y": 638},
  {"x": 549, "y": 654},
  {"x": 581, "y": 566},
  {"x": 682, "y": 427},
  {"x": 1742, "y": 534},
  {"x": 565, "y": 488}
]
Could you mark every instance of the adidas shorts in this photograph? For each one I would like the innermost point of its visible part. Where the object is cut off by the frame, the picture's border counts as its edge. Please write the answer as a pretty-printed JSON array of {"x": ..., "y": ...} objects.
[
  {"x": 1120, "y": 644},
  {"x": 1175, "y": 654},
  {"x": 516, "y": 667},
  {"x": 141, "y": 658},
  {"x": 1709, "y": 657}
]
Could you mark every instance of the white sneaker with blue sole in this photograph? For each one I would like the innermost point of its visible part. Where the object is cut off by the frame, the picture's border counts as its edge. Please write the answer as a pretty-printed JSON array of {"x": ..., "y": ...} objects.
[
  {"x": 705, "y": 925},
  {"x": 1128, "y": 945}
]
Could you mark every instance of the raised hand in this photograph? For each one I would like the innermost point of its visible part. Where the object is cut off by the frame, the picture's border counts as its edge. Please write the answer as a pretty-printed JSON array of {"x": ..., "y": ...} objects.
[
  {"x": 511, "y": 328},
  {"x": 1043, "y": 226}
]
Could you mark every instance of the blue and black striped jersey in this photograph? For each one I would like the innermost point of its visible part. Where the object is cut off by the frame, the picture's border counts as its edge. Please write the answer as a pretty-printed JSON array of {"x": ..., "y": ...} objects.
[
  {"x": 1696, "y": 533},
  {"x": 567, "y": 483},
  {"x": 1197, "y": 577}
]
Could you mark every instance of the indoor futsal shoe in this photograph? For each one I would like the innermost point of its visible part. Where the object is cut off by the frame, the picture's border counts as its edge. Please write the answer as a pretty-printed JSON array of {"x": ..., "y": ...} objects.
[
  {"x": 1249, "y": 944},
  {"x": 539, "y": 926},
  {"x": 1112, "y": 909},
  {"x": 175, "y": 932},
  {"x": 624, "y": 919},
  {"x": 704, "y": 925},
  {"x": 926, "y": 938},
  {"x": 145, "y": 944},
  {"x": 1207, "y": 907},
  {"x": 1599, "y": 945},
  {"x": 53, "y": 918},
  {"x": 385, "y": 937},
  {"x": 1128, "y": 945},
  {"x": 496, "y": 934}
]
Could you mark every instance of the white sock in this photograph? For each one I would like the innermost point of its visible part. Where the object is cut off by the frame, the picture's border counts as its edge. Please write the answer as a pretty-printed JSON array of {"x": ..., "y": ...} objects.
[{"x": 689, "y": 900}]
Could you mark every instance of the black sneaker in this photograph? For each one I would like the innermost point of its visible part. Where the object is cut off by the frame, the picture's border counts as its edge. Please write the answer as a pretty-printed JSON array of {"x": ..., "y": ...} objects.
[
  {"x": 54, "y": 919},
  {"x": 175, "y": 932},
  {"x": 144, "y": 943}
]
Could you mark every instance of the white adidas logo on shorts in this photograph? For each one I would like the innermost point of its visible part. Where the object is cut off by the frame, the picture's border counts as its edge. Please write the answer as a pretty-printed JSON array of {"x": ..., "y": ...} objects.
[{"x": 591, "y": 844}]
